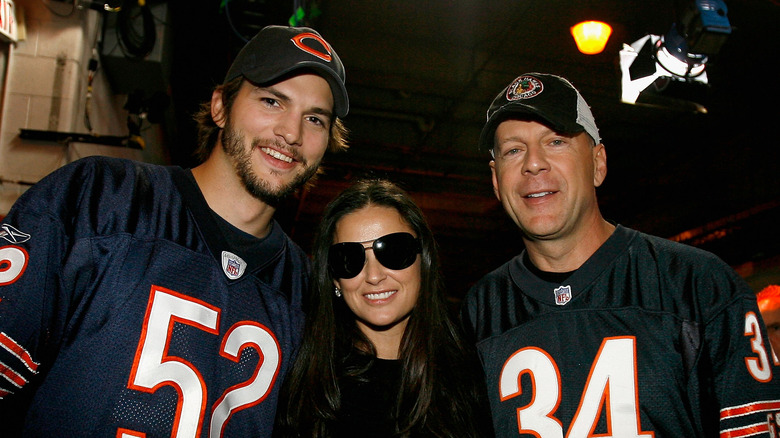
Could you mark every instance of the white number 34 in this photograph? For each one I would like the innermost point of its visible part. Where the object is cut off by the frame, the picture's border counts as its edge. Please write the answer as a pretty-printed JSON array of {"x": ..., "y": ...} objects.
[
  {"x": 153, "y": 367},
  {"x": 617, "y": 372},
  {"x": 614, "y": 367}
]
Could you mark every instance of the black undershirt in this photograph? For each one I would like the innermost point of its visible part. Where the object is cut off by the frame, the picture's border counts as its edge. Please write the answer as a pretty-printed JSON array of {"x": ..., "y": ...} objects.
[
  {"x": 239, "y": 242},
  {"x": 550, "y": 277}
]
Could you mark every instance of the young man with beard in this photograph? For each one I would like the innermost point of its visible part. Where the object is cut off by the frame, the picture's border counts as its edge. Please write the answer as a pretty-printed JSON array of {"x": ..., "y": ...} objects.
[
  {"x": 596, "y": 329},
  {"x": 141, "y": 300}
]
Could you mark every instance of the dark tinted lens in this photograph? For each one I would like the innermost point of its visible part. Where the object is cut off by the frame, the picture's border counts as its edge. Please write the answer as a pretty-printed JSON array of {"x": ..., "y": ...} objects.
[
  {"x": 346, "y": 259},
  {"x": 396, "y": 251}
]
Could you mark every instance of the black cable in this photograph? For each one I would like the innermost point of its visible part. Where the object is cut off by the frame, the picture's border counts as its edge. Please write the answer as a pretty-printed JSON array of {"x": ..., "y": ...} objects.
[
  {"x": 233, "y": 26},
  {"x": 134, "y": 44}
]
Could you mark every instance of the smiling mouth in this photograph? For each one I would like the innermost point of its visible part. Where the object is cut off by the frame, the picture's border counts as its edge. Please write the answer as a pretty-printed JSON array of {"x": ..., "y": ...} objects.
[
  {"x": 278, "y": 155},
  {"x": 381, "y": 295},
  {"x": 538, "y": 195}
]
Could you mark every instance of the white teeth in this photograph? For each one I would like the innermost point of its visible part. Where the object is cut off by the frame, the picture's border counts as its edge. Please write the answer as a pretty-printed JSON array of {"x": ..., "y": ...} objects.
[
  {"x": 277, "y": 155},
  {"x": 539, "y": 195},
  {"x": 380, "y": 296}
]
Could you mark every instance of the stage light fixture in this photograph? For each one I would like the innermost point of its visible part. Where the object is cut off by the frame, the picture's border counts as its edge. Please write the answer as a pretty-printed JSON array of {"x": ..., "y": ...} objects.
[
  {"x": 591, "y": 36},
  {"x": 670, "y": 70}
]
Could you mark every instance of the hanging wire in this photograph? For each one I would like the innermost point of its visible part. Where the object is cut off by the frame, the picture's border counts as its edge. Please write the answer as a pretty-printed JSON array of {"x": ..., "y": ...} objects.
[
  {"x": 298, "y": 10},
  {"x": 230, "y": 22},
  {"x": 92, "y": 68},
  {"x": 133, "y": 43}
]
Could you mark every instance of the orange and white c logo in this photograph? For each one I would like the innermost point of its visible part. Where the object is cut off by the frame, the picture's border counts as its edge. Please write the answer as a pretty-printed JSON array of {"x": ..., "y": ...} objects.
[{"x": 298, "y": 41}]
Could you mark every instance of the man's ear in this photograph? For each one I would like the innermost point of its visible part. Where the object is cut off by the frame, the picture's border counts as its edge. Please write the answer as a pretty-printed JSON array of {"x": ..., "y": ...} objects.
[
  {"x": 599, "y": 164},
  {"x": 495, "y": 179},
  {"x": 217, "y": 108}
]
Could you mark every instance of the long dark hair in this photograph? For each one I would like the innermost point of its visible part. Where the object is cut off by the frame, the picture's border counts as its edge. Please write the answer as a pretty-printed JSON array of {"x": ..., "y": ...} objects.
[{"x": 440, "y": 392}]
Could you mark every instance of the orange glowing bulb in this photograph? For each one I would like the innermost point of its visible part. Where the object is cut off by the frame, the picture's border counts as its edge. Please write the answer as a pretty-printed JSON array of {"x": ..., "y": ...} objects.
[{"x": 591, "y": 36}]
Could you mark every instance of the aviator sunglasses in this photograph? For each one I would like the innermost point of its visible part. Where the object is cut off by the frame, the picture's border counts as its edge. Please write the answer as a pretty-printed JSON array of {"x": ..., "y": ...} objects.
[{"x": 394, "y": 251}]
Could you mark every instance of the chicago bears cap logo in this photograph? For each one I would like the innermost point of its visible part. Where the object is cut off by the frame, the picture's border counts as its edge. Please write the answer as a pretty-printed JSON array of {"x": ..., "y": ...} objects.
[
  {"x": 299, "y": 41},
  {"x": 233, "y": 265},
  {"x": 562, "y": 295},
  {"x": 524, "y": 87}
]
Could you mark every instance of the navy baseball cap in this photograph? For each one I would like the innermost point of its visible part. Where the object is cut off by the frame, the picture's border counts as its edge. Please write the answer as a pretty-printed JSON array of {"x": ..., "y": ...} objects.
[
  {"x": 551, "y": 98},
  {"x": 278, "y": 50}
]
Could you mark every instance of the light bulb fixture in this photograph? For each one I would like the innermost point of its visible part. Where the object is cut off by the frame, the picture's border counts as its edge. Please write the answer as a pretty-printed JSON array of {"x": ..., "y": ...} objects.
[
  {"x": 591, "y": 36},
  {"x": 669, "y": 70},
  {"x": 646, "y": 81}
]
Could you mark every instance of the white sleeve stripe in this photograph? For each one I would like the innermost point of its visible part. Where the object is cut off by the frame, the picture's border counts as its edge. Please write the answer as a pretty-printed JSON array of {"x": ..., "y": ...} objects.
[
  {"x": 19, "y": 352},
  {"x": 749, "y": 409},
  {"x": 12, "y": 376},
  {"x": 751, "y": 404},
  {"x": 746, "y": 431},
  {"x": 743, "y": 414}
]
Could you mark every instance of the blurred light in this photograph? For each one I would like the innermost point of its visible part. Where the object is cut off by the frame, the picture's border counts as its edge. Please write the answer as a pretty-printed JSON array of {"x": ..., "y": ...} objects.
[
  {"x": 644, "y": 81},
  {"x": 591, "y": 36},
  {"x": 672, "y": 54},
  {"x": 669, "y": 70}
]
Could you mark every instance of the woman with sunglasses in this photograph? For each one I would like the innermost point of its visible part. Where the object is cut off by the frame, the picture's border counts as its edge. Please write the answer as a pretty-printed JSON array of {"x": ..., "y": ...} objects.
[{"x": 380, "y": 355}]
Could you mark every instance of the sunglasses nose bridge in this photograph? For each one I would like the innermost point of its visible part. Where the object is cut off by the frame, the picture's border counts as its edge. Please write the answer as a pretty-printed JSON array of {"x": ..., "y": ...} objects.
[{"x": 373, "y": 269}]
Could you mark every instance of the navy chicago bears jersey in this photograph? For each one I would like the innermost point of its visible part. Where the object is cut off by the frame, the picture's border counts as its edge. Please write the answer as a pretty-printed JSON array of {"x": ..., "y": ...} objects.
[
  {"x": 124, "y": 313},
  {"x": 649, "y": 338}
]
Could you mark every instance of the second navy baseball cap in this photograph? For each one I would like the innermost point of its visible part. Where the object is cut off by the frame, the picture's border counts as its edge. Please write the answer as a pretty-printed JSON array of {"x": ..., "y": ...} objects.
[
  {"x": 551, "y": 98},
  {"x": 278, "y": 50}
]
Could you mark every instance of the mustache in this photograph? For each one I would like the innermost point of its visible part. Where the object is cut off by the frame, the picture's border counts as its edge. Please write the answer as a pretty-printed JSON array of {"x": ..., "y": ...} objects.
[{"x": 258, "y": 142}]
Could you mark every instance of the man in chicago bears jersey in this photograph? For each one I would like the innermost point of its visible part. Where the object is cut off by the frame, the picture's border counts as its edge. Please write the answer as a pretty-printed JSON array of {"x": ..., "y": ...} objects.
[
  {"x": 596, "y": 329},
  {"x": 150, "y": 301}
]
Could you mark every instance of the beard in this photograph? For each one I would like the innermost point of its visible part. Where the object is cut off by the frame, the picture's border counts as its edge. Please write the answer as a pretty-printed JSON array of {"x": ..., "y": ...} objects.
[{"x": 234, "y": 146}]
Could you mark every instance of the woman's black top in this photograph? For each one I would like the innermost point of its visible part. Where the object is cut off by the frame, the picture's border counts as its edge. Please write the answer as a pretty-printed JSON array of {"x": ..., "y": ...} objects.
[{"x": 368, "y": 401}]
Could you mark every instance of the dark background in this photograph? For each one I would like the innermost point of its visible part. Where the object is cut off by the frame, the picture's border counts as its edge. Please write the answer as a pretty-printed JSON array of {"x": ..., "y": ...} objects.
[{"x": 421, "y": 74}]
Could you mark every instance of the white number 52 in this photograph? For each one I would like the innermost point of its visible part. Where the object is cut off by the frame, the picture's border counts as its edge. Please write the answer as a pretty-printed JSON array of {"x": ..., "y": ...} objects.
[{"x": 154, "y": 367}]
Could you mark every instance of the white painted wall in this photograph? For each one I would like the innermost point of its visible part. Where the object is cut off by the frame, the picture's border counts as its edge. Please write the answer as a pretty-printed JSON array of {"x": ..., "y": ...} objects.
[{"x": 44, "y": 88}]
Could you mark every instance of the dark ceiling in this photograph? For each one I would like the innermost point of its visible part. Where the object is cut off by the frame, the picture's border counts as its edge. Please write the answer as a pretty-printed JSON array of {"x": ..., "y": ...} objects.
[{"x": 421, "y": 74}]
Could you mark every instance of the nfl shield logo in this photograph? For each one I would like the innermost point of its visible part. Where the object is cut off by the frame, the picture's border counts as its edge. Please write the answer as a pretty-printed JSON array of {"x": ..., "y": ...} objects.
[
  {"x": 232, "y": 265},
  {"x": 562, "y": 295}
]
